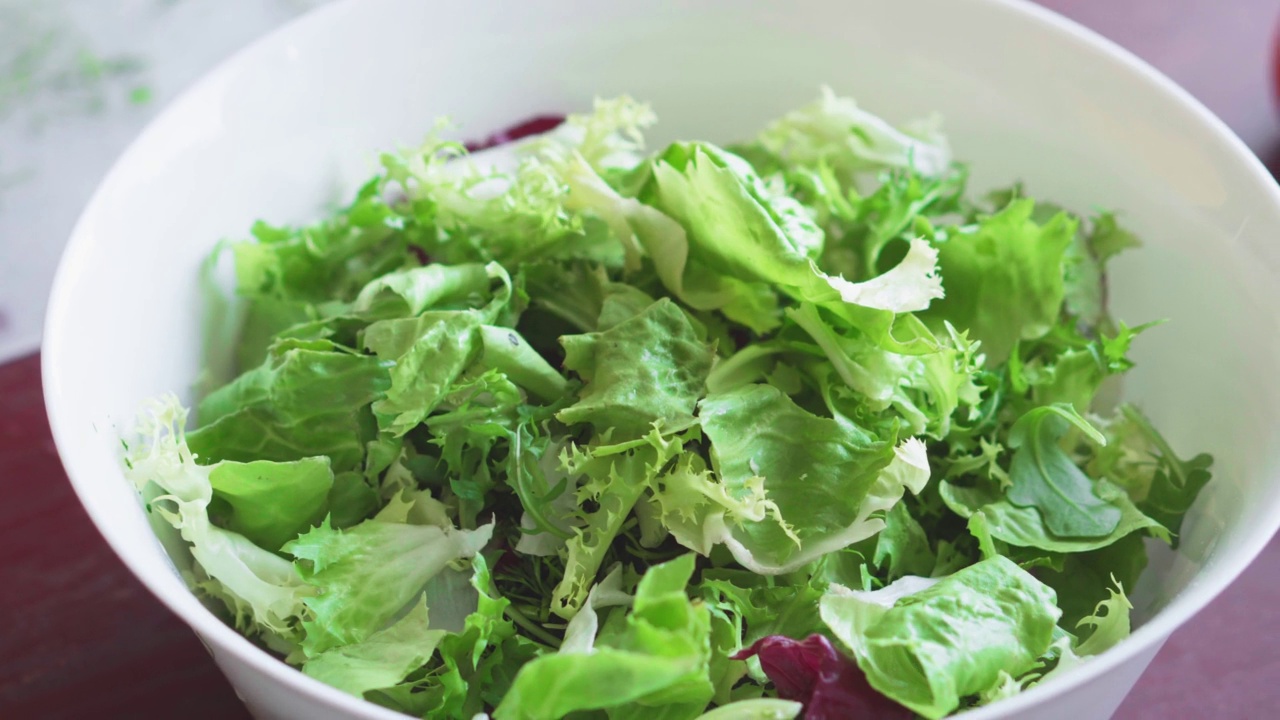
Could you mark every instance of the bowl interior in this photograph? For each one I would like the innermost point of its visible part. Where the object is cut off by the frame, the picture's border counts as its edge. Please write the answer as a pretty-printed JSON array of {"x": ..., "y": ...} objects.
[{"x": 296, "y": 120}]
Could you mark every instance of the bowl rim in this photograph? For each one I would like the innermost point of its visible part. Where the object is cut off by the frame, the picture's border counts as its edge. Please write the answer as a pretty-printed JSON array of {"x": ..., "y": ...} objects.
[{"x": 1146, "y": 638}]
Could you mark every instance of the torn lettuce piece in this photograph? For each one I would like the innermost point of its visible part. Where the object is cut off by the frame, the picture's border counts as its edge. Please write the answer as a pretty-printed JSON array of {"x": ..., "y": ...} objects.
[
  {"x": 651, "y": 367},
  {"x": 382, "y": 660},
  {"x": 472, "y": 668},
  {"x": 303, "y": 401},
  {"x": 732, "y": 230},
  {"x": 270, "y": 502},
  {"x": 654, "y": 663},
  {"x": 955, "y": 638},
  {"x": 1004, "y": 277},
  {"x": 409, "y": 292},
  {"x": 835, "y": 132},
  {"x": 825, "y": 478},
  {"x": 612, "y": 478},
  {"x": 365, "y": 575},
  {"x": 430, "y": 352}
]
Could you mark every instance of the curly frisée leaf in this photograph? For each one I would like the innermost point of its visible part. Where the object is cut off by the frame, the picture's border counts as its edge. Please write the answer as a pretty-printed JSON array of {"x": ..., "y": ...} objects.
[{"x": 261, "y": 588}]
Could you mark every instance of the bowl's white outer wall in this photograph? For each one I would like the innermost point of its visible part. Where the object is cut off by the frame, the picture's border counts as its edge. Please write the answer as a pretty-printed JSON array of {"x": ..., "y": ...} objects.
[{"x": 294, "y": 120}]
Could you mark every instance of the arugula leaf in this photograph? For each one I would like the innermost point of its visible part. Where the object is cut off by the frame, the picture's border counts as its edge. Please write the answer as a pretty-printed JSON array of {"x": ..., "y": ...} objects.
[
  {"x": 1043, "y": 477},
  {"x": 1025, "y": 526},
  {"x": 1163, "y": 485},
  {"x": 902, "y": 548}
]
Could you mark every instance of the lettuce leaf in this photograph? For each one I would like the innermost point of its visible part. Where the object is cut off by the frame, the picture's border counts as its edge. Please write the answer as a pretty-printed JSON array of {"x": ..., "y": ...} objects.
[
  {"x": 354, "y": 597},
  {"x": 653, "y": 665},
  {"x": 835, "y": 132},
  {"x": 303, "y": 401},
  {"x": 270, "y": 503},
  {"x": 815, "y": 470},
  {"x": 931, "y": 648},
  {"x": 626, "y": 396},
  {"x": 1004, "y": 277},
  {"x": 382, "y": 660}
]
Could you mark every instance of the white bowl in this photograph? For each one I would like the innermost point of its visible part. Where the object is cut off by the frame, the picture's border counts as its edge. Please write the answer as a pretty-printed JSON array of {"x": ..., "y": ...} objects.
[{"x": 295, "y": 120}]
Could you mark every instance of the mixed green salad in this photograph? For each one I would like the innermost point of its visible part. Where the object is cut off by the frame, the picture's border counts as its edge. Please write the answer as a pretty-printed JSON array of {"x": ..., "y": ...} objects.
[{"x": 788, "y": 428}]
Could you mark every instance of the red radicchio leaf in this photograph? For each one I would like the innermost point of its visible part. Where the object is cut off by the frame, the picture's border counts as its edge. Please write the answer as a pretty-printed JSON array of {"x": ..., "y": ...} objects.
[
  {"x": 533, "y": 126},
  {"x": 830, "y": 685}
]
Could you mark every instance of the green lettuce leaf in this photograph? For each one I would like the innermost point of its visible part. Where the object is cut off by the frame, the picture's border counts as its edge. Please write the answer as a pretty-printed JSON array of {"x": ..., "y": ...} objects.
[
  {"x": 649, "y": 368},
  {"x": 1004, "y": 277},
  {"x": 270, "y": 503},
  {"x": 613, "y": 479},
  {"x": 430, "y": 352},
  {"x": 1107, "y": 626},
  {"x": 1025, "y": 526},
  {"x": 409, "y": 292},
  {"x": 474, "y": 667},
  {"x": 367, "y": 574},
  {"x": 654, "y": 664},
  {"x": 303, "y": 401},
  {"x": 955, "y": 638},
  {"x": 260, "y": 588},
  {"x": 382, "y": 660},
  {"x": 825, "y": 478},
  {"x": 835, "y": 132},
  {"x": 732, "y": 229}
]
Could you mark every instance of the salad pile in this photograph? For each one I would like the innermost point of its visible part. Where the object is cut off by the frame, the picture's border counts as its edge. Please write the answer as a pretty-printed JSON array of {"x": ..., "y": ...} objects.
[{"x": 788, "y": 428}]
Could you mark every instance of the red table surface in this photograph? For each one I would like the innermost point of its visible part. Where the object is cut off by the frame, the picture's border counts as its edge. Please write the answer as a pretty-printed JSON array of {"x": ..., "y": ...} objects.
[{"x": 82, "y": 638}]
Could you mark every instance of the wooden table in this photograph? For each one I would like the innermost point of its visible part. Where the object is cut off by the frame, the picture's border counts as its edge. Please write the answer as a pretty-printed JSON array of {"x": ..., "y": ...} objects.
[{"x": 82, "y": 638}]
